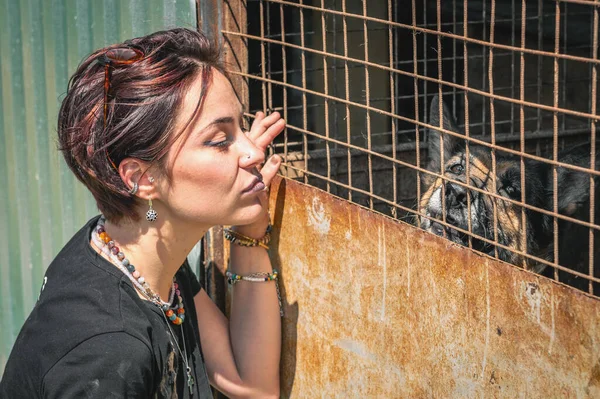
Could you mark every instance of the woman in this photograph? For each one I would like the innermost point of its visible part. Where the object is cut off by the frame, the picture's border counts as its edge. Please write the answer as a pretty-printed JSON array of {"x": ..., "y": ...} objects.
[{"x": 154, "y": 129}]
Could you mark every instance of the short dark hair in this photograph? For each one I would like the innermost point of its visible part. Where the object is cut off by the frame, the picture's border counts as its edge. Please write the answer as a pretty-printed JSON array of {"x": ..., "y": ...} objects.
[{"x": 145, "y": 98}]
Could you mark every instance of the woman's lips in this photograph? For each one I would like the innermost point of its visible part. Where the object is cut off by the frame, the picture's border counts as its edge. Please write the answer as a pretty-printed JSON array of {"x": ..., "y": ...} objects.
[{"x": 256, "y": 186}]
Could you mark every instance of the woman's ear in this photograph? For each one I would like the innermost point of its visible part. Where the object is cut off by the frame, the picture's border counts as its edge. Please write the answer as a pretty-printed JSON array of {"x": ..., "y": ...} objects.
[{"x": 135, "y": 172}]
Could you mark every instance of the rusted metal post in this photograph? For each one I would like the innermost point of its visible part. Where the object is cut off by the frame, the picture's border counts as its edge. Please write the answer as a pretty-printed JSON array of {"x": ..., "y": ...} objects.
[
  {"x": 216, "y": 16},
  {"x": 213, "y": 17}
]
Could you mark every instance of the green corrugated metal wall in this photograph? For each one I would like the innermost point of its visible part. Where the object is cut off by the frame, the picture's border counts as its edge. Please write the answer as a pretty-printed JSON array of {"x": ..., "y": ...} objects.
[{"x": 41, "y": 204}]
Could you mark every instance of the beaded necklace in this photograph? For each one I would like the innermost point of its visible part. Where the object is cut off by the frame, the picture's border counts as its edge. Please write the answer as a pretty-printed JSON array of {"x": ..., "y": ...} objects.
[{"x": 175, "y": 313}]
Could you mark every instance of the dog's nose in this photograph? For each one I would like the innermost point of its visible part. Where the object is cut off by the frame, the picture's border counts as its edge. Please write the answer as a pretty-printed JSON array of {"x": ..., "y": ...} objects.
[{"x": 456, "y": 196}]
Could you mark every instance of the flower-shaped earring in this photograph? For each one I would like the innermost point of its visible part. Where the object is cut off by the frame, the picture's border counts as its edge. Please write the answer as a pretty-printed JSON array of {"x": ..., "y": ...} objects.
[{"x": 151, "y": 215}]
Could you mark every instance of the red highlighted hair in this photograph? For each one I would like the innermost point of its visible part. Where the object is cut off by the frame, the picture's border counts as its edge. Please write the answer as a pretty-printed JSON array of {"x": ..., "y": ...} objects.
[{"x": 145, "y": 99}]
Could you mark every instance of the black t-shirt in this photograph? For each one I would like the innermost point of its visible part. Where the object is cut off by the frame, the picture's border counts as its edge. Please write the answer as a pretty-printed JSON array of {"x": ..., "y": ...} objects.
[{"x": 91, "y": 336}]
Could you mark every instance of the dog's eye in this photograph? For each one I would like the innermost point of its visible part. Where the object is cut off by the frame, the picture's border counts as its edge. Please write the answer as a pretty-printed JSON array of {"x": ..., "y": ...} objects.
[
  {"x": 457, "y": 168},
  {"x": 511, "y": 191}
]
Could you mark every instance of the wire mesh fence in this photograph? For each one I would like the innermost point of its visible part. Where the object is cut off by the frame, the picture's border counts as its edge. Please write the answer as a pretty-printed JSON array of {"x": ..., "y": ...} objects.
[{"x": 475, "y": 120}]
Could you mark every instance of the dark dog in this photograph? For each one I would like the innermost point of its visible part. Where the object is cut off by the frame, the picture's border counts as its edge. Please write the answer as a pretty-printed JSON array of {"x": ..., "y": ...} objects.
[{"x": 535, "y": 234}]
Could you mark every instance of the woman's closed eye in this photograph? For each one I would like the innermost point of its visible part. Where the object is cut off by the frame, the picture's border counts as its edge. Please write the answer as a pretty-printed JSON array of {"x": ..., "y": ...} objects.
[{"x": 220, "y": 141}]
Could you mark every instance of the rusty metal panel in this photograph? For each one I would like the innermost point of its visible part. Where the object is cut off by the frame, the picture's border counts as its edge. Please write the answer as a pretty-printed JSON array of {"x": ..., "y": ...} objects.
[{"x": 375, "y": 307}]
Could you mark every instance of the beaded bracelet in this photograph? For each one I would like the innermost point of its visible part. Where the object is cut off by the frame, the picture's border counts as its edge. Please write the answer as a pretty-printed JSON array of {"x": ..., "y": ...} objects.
[
  {"x": 245, "y": 241},
  {"x": 260, "y": 277},
  {"x": 233, "y": 278}
]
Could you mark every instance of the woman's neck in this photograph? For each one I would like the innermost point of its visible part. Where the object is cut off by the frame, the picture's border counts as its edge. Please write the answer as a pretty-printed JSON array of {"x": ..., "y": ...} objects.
[{"x": 156, "y": 250}]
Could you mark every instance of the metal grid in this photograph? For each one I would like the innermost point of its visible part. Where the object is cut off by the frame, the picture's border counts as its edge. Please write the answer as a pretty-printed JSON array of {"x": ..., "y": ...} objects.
[{"x": 355, "y": 79}]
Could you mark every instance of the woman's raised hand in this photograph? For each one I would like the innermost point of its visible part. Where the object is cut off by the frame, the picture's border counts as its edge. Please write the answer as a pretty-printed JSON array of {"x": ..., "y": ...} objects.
[{"x": 263, "y": 131}]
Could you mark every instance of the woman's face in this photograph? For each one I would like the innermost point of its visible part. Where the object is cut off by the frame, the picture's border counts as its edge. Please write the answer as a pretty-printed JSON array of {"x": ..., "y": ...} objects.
[{"x": 213, "y": 164}]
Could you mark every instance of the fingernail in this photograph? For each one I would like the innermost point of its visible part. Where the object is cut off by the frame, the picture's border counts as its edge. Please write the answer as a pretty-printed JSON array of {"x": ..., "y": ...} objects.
[{"x": 275, "y": 159}]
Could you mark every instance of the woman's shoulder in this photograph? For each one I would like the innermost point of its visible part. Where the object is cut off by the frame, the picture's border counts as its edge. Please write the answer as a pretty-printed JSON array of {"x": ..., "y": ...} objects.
[
  {"x": 81, "y": 280},
  {"x": 82, "y": 299},
  {"x": 82, "y": 287}
]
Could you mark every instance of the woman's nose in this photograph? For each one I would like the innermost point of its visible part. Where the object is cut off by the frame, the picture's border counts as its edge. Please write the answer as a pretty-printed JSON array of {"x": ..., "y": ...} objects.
[{"x": 251, "y": 155}]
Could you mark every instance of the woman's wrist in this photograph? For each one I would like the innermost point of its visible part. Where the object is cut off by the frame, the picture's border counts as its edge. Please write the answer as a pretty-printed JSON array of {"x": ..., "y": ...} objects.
[
  {"x": 235, "y": 237},
  {"x": 249, "y": 260},
  {"x": 255, "y": 230}
]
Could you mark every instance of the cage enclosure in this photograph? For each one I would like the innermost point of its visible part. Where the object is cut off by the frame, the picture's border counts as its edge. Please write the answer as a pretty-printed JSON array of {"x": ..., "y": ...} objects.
[{"x": 356, "y": 82}]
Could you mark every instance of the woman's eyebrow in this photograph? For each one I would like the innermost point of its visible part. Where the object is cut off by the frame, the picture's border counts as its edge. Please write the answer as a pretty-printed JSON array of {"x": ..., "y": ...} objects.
[
  {"x": 224, "y": 119},
  {"x": 218, "y": 121}
]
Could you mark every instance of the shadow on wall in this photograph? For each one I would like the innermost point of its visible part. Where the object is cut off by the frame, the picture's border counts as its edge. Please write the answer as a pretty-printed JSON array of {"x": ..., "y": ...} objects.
[{"x": 290, "y": 320}]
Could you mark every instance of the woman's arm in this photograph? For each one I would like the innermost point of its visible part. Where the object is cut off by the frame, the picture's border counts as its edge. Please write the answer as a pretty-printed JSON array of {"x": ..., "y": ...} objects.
[{"x": 242, "y": 355}]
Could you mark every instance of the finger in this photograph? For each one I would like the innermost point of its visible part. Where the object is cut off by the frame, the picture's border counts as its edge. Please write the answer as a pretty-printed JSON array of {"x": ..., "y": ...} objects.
[
  {"x": 258, "y": 117},
  {"x": 269, "y": 135},
  {"x": 270, "y": 169},
  {"x": 253, "y": 123},
  {"x": 261, "y": 124}
]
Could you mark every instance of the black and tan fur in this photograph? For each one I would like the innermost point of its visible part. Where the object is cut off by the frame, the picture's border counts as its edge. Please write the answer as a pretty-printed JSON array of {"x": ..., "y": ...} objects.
[{"x": 534, "y": 234}]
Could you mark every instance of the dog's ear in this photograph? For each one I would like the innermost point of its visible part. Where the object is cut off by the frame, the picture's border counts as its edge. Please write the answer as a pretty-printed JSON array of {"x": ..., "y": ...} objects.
[{"x": 450, "y": 143}]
